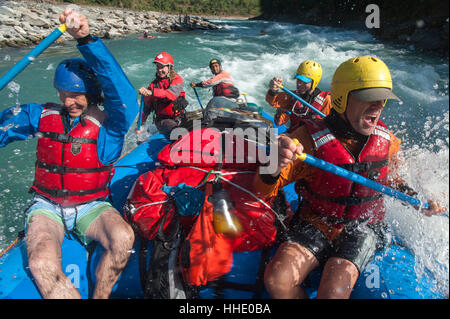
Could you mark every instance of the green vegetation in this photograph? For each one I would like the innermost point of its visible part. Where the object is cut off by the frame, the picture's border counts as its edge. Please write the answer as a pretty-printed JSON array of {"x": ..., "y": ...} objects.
[{"x": 212, "y": 7}]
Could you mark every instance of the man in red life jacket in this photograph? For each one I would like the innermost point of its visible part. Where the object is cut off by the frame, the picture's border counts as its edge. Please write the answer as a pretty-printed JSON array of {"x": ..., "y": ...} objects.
[
  {"x": 308, "y": 77},
  {"x": 77, "y": 146},
  {"x": 164, "y": 96},
  {"x": 339, "y": 222},
  {"x": 221, "y": 82}
]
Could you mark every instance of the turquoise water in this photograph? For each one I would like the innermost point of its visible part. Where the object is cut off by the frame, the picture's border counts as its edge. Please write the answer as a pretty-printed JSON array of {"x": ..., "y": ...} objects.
[{"x": 421, "y": 120}]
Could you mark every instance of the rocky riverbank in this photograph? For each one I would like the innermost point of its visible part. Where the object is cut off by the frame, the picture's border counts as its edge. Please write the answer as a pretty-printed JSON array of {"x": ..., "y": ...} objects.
[{"x": 25, "y": 23}]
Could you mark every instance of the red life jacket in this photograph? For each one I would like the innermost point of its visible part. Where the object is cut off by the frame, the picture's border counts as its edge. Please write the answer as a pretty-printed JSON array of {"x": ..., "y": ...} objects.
[
  {"x": 68, "y": 170},
  {"x": 165, "y": 108},
  {"x": 301, "y": 112},
  {"x": 336, "y": 197},
  {"x": 226, "y": 89}
]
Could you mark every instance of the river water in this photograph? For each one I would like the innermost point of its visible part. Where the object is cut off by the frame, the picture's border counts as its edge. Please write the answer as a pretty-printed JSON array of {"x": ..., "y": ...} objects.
[{"x": 421, "y": 120}]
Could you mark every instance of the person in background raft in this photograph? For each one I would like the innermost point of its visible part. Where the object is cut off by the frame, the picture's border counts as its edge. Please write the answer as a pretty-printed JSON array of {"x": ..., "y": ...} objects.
[
  {"x": 221, "y": 82},
  {"x": 146, "y": 36},
  {"x": 340, "y": 223},
  {"x": 308, "y": 77},
  {"x": 164, "y": 96},
  {"x": 77, "y": 146}
]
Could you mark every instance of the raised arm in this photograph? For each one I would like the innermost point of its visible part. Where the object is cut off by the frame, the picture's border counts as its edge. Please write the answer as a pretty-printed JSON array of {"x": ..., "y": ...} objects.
[{"x": 120, "y": 103}]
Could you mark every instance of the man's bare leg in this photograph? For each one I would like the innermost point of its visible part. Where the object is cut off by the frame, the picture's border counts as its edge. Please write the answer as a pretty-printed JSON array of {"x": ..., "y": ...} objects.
[
  {"x": 117, "y": 238},
  {"x": 338, "y": 279},
  {"x": 44, "y": 239},
  {"x": 287, "y": 270}
]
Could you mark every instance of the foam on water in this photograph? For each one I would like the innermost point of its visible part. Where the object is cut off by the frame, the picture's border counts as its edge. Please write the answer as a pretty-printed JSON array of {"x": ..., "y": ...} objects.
[
  {"x": 426, "y": 171},
  {"x": 426, "y": 236}
]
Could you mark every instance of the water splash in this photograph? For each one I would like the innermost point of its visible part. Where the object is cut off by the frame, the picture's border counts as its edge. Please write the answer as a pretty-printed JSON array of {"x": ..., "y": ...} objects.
[
  {"x": 16, "y": 109},
  {"x": 14, "y": 87},
  {"x": 6, "y": 127},
  {"x": 426, "y": 169}
]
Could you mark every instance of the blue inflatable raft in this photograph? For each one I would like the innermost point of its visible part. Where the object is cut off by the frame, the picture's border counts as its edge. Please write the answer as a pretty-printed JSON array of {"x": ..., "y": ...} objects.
[{"x": 390, "y": 275}]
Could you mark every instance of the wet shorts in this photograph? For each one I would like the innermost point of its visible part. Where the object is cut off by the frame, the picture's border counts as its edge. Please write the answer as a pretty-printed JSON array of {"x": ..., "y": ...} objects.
[
  {"x": 77, "y": 219},
  {"x": 356, "y": 243}
]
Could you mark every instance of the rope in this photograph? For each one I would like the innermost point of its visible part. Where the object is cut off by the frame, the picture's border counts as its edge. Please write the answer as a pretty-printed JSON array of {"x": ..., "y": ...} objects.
[
  {"x": 135, "y": 209},
  {"x": 244, "y": 138},
  {"x": 219, "y": 174},
  {"x": 7, "y": 249},
  {"x": 258, "y": 199},
  {"x": 124, "y": 155},
  {"x": 204, "y": 181}
]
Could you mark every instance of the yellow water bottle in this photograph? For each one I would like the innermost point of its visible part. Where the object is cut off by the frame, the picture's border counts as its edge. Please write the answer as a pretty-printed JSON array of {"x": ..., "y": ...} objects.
[{"x": 225, "y": 220}]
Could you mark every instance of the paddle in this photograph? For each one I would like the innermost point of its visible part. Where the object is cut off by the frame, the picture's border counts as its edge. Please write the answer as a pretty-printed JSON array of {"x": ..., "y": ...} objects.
[
  {"x": 301, "y": 100},
  {"x": 245, "y": 98},
  {"x": 23, "y": 63},
  {"x": 339, "y": 171},
  {"x": 141, "y": 108},
  {"x": 198, "y": 99}
]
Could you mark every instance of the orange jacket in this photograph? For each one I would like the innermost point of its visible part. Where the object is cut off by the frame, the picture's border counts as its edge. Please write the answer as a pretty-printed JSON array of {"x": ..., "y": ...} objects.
[
  {"x": 284, "y": 101},
  {"x": 223, "y": 76}
]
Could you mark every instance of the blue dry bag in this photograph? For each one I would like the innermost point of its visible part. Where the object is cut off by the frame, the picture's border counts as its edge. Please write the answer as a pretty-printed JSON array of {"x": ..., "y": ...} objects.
[{"x": 189, "y": 200}]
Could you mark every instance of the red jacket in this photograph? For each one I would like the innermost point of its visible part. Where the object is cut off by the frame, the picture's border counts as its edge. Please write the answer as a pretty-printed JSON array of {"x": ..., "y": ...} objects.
[
  {"x": 163, "y": 97},
  {"x": 68, "y": 170}
]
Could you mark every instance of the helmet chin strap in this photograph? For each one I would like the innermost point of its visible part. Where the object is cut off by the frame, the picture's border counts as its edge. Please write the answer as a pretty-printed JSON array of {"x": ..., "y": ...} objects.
[
  {"x": 352, "y": 129},
  {"x": 346, "y": 119}
]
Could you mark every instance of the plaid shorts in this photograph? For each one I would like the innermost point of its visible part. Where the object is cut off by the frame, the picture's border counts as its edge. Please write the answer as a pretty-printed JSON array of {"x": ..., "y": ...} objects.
[{"x": 74, "y": 219}]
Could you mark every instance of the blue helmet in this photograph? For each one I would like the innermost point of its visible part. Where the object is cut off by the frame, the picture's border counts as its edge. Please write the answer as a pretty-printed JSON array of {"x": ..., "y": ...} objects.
[{"x": 75, "y": 75}]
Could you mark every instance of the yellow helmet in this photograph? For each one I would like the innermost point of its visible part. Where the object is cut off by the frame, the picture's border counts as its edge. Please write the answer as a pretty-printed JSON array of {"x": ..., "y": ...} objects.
[
  {"x": 358, "y": 73},
  {"x": 311, "y": 70}
]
